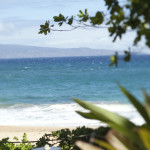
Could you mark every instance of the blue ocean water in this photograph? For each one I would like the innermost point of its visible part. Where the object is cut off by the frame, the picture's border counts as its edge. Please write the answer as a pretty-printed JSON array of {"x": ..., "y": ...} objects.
[{"x": 47, "y": 85}]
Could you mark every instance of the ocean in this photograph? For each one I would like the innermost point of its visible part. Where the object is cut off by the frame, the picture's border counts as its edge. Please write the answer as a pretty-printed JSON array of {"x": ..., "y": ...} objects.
[{"x": 39, "y": 91}]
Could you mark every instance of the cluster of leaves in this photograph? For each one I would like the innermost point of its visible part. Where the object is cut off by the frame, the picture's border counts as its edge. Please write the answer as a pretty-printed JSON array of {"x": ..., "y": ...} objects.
[
  {"x": 82, "y": 17},
  {"x": 5, "y": 144},
  {"x": 125, "y": 135},
  {"x": 114, "y": 58},
  {"x": 133, "y": 14},
  {"x": 66, "y": 138},
  {"x": 96, "y": 20},
  {"x": 45, "y": 28},
  {"x": 61, "y": 19}
]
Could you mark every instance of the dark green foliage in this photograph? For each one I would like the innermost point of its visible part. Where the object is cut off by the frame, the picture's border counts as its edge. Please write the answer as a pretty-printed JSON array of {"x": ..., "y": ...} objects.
[
  {"x": 59, "y": 18},
  {"x": 114, "y": 60},
  {"x": 124, "y": 135},
  {"x": 98, "y": 19},
  {"x": 70, "y": 20},
  {"x": 133, "y": 14},
  {"x": 130, "y": 15},
  {"x": 140, "y": 108},
  {"x": 5, "y": 145},
  {"x": 83, "y": 16},
  {"x": 66, "y": 138},
  {"x": 44, "y": 140},
  {"x": 127, "y": 56},
  {"x": 45, "y": 28}
]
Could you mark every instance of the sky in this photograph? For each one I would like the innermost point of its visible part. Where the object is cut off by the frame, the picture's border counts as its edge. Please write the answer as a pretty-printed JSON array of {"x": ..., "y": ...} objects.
[{"x": 20, "y": 21}]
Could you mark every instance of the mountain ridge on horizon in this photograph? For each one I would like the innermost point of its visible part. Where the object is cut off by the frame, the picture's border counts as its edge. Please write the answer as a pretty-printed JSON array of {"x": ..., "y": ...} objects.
[
  {"x": 33, "y": 46},
  {"x": 23, "y": 51}
]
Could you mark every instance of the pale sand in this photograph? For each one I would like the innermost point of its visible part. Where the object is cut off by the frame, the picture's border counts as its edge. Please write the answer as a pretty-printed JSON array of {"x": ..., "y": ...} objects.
[{"x": 33, "y": 133}]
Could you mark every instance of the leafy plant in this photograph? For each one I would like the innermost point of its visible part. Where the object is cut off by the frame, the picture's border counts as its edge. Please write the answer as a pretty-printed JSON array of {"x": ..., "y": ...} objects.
[
  {"x": 66, "y": 138},
  {"x": 5, "y": 144},
  {"x": 125, "y": 135}
]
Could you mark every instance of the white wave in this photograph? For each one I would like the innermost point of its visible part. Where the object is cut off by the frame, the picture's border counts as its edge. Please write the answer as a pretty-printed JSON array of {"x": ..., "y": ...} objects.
[
  {"x": 59, "y": 115},
  {"x": 27, "y": 67}
]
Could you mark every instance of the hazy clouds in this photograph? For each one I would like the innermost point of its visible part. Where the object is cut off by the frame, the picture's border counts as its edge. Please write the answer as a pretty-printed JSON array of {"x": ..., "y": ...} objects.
[{"x": 20, "y": 22}]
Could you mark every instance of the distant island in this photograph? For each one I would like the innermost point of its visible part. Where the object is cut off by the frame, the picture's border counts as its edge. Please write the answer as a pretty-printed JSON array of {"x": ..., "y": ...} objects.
[{"x": 22, "y": 51}]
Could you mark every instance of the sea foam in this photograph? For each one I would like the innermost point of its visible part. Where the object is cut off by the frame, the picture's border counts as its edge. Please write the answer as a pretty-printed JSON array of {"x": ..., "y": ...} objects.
[{"x": 59, "y": 115}]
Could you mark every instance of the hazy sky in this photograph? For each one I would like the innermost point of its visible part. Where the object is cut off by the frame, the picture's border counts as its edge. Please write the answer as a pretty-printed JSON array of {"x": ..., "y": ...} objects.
[{"x": 20, "y": 22}]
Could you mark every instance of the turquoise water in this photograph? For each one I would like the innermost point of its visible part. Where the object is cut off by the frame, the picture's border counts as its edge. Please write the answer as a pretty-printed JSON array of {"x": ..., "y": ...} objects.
[
  {"x": 57, "y": 80},
  {"x": 44, "y": 82}
]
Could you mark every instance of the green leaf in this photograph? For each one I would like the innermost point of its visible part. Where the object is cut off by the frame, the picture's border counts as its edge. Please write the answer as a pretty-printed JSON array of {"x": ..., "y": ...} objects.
[
  {"x": 70, "y": 21},
  {"x": 115, "y": 38},
  {"x": 46, "y": 24},
  {"x": 59, "y": 18},
  {"x": 111, "y": 29},
  {"x": 80, "y": 15},
  {"x": 145, "y": 136},
  {"x": 45, "y": 32},
  {"x": 118, "y": 122},
  {"x": 91, "y": 116},
  {"x": 16, "y": 138},
  {"x": 140, "y": 108},
  {"x": 84, "y": 17},
  {"x": 103, "y": 144},
  {"x": 114, "y": 60},
  {"x": 147, "y": 103},
  {"x": 86, "y": 12},
  {"x": 127, "y": 57},
  {"x": 60, "y": 23},
  {"x": 98, "y": 19},
  {"x": 86, "y": 146},
  {"x": 116, "y": 143},
  {"x": 41, "y": 32},
  {"x": 45, "y": 28},
  {"x": 42, "y": 26},
  {"x": 120, "y": 142},
  {"x": 81, "y": 12}
]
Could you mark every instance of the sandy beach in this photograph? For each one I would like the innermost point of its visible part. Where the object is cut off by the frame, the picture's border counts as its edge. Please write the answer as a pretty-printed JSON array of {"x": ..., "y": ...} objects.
[{"x": 33, "y": 133}]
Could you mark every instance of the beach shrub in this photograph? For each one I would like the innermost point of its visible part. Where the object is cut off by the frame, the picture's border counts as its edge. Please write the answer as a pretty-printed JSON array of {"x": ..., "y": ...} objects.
[
  {"x": 66, "y": 138},
  {"x": 125, "y": 135},
  {"x": 5, "y": 144}
]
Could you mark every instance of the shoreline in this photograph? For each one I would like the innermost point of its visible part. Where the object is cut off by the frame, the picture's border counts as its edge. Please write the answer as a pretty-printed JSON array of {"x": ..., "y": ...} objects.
[{"x": 33, "y": 132}]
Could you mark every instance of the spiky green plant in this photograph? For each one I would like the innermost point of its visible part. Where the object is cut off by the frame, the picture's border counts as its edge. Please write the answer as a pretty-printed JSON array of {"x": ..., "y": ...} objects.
[{"x": 125, "y": 135}]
